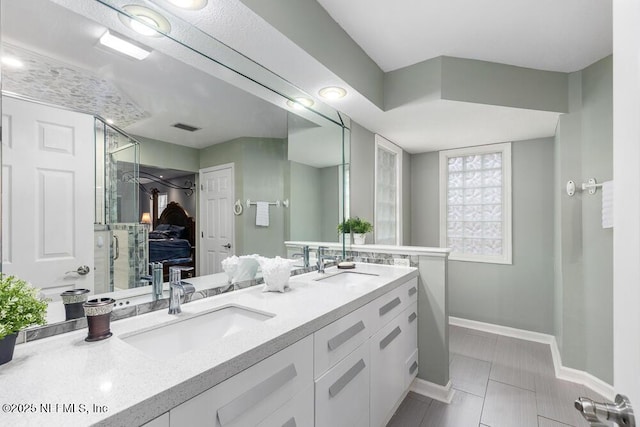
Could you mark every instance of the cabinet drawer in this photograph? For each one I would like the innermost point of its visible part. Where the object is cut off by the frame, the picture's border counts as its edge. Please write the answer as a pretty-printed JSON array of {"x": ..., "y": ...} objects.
[
  {"x": 410, "y": 291},
  {"x": 342, "y": 394},
  {"x": 388, "y": 306},
  {"x": 333, "y": 342},
  {"x": 298, "y": 412},
  {"x": 252, "y": 395},
  {"x": 411, "y": 369}
]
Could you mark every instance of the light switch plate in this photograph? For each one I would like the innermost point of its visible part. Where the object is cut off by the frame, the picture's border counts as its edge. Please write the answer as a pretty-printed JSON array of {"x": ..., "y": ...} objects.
[{"x": 403, "y": 262}]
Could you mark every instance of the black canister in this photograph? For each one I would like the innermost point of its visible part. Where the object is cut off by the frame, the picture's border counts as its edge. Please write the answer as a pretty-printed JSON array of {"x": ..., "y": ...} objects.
[
  {"x": 73, "y": 301},
  {"x": 98, "y": 312}
]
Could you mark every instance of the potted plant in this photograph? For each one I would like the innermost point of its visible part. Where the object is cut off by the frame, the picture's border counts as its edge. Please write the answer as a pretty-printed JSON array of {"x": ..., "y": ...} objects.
[
  {"x": 360, "y": 228},
  {"x": 345, "y": 228},
  {"x": 19, "y": 307}
]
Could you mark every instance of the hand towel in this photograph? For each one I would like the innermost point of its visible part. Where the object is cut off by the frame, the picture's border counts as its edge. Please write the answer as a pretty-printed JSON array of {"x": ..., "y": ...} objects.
[
  {"x": 607, "y": 204},
  {"x": 262, "y": 214}
]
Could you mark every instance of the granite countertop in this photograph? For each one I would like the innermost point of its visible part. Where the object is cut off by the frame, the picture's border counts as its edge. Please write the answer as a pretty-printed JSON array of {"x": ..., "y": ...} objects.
[{"x": 112, "y": 383}]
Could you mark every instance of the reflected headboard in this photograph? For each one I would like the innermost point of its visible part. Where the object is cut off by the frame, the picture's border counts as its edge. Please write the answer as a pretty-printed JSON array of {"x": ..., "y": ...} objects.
[{"x": 176, "y": 215}]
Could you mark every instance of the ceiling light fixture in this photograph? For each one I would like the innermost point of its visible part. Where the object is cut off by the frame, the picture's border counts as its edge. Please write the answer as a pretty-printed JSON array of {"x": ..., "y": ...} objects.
[
  {"x": 332, "y": 92},
  {"x": 300, "y": 103},
  {"x": 147, "y": 21},
  {"x": 109, "y": 121},
  {"x": 12, "y": 62},
  {"x": 123, "y": 46},
  {"x": 189, "y": 4}
]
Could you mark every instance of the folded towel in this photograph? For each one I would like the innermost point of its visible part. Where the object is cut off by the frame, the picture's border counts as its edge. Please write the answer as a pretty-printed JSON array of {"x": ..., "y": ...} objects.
[
  {"x": 607, "y": 204},
  {"x": 262, "y": 214}
]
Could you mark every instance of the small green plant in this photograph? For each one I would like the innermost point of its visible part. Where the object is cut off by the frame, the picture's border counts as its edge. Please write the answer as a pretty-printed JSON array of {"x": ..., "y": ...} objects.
[
  {"x": 360, "y": 226},
  {"x": 355, "y": 225},
  {"x": 345, "y": 226},
  {"x": 19, "y": 306}
]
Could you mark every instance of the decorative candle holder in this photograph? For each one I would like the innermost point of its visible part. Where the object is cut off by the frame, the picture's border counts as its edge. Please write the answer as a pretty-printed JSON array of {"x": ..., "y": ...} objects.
[
  {"x": 98, "y": 312},
  {"x": 73, "y": 301}
]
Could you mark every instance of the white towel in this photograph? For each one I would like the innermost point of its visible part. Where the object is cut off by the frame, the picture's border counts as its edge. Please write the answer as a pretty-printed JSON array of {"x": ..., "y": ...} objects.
[
  {"x": 262, "y": 214},
  {"x": 607, "y": 204}
]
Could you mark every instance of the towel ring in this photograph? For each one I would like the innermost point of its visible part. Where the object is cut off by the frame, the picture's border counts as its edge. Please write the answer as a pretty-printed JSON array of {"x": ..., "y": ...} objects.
[{"x": 237, "y": 208}]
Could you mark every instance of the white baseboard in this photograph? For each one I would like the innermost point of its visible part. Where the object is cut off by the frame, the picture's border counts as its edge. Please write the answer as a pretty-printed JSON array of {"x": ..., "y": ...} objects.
[
  {"x": 432, "y": 390},
  {"x": 562, "y": 372}
]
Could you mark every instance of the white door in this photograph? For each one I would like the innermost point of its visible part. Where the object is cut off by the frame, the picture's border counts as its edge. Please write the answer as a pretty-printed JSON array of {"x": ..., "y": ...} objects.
[
  {"x": 626, "y": 172},
  {"x": 216, "y": 217},
  {"x": 47, "y": 195}
]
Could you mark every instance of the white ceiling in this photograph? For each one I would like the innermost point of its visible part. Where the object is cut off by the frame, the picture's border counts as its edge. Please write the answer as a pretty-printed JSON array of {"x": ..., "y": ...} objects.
[
  {"x": 564, "y": 35},
  {"x": 554, "y": 35},
  {"x": 167, "y": 90},
  {"x": 561, "y": 35}
]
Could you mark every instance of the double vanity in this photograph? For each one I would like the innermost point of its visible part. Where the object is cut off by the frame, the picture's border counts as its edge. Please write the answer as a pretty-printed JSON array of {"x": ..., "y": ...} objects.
[{"x": 336, "y": 349}]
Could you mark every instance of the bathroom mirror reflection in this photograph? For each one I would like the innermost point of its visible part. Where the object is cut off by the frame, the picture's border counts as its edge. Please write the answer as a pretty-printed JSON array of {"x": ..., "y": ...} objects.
[{"x": 112, "y": 162}]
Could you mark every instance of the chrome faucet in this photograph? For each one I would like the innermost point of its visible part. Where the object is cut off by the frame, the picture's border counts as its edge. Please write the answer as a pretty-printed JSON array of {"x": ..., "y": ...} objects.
[
  {"x": 304, "y": 255},
  {"x": 322, "y": 258},
  {"x": 177, "y": 288},
  {"x": 155, "y": 279}
]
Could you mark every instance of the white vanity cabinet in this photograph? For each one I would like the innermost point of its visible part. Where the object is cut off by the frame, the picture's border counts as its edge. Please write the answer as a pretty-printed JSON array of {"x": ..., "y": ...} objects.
[
  {"x": 352, "y": 373},
  {"x": 250, "y": 397},
  {"x": 370, "y": 349}
]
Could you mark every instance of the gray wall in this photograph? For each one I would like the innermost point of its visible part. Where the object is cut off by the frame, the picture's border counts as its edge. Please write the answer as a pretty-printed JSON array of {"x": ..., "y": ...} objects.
[
  {"x": 305, "y": 207},
  {"x": 260, "y": 165},
  {"x": 518, "y": 295},
  {"x": 584, "y": 250},
  {"x": 162, "y": 154}
]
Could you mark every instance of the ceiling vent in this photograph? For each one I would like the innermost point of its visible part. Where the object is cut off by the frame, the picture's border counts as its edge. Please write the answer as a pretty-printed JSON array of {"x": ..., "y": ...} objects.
[{"x": 188, "y": 128}]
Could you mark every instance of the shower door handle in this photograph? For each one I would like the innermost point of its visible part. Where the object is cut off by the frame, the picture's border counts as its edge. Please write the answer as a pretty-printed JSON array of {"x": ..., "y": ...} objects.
[{"x": 620, "y": 412}]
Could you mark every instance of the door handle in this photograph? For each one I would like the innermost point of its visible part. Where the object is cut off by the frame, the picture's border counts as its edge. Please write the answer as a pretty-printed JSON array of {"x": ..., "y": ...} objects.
[
  {"x": 228, "y": 246},
  {"x": 620, "y": 412},
  {"x": 83, "y": 270},
  {"x": 117, "y": 247}
]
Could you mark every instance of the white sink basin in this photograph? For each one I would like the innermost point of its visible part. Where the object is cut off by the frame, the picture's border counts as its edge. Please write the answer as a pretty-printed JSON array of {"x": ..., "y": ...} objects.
[
  {"x": 347, "y": 278},
  {"x": 171, "y": 339}
]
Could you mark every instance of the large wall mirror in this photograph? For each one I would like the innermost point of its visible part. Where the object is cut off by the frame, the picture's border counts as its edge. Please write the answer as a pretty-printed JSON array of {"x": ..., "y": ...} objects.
[{"x": 179, "y": 150}]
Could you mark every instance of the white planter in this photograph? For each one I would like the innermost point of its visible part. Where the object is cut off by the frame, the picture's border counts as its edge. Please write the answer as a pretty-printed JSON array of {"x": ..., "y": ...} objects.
[
  {"x": 349, "y": 239},
  {"x": 359, "y": 238}
]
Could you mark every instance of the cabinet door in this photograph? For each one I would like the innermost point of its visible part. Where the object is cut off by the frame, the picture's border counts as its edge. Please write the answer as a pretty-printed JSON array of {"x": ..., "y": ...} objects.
[
  {"x": 387, "y": 365},
  {"x": 410, "y": 317},
  {"x": 251, "y": 396},
  {"x": 298, "y": 412},
  {"x": 342, "y": 394},
  {"x": 336, "y": 340}
]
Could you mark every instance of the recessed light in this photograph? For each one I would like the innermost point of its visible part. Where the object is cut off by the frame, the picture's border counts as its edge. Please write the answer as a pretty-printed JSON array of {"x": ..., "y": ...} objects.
[
  {"x": 109, "y": 121},
  {"x": 332, "y": 92},
  {"x": 160, "y": 176},
  {"x": 300, "y": 103},
  {"x": 189, "y": 4},
  {"x": 147, "y": 21},
  {"x": 123, "y": 46},
  {"x": 12, "y": 62}
]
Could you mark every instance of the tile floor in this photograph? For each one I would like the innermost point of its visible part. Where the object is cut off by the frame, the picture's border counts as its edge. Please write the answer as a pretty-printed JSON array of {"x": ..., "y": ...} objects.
[{"x": 498, "y": 382}]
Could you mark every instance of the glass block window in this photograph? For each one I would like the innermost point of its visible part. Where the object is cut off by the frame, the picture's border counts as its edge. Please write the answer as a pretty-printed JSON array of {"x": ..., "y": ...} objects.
[
  {"x": 388, "y": 171},
  {"x": 475, "y": 191}
]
